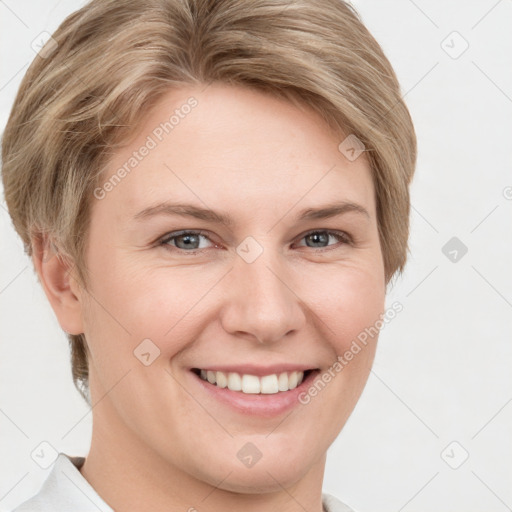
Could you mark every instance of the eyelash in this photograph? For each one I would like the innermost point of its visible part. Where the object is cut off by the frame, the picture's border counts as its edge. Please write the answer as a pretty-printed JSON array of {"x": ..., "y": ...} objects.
[{"x": 343, "y": 237}]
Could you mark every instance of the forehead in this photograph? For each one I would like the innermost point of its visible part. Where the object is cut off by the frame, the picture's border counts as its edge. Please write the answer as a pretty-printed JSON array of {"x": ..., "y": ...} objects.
[{"x": 236, "y": 148}]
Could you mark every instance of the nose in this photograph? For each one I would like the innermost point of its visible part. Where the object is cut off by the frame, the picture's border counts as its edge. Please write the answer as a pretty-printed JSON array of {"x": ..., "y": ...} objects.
[{"x": 261, "y": 301}]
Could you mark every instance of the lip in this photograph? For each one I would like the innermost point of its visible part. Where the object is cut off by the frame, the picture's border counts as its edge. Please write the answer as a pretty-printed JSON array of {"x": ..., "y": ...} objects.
[{"x": 262, "y": 405}]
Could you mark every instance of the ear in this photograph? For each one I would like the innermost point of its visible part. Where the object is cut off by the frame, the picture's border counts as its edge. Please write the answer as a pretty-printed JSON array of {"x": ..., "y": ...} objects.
[{"x": 61, "y": 288}]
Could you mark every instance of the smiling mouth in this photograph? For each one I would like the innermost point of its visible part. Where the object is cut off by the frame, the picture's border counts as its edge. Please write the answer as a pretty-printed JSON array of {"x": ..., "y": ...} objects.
[{"x": 252, "y": 384}]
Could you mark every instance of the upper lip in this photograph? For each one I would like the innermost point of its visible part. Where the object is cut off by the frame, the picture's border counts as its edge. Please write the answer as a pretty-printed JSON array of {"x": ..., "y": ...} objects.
[{"x": 258, "y": 370}]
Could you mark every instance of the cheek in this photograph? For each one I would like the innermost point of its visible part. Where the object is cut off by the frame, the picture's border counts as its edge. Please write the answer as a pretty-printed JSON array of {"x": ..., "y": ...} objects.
[
  {"x": 350, "y": 305},
  {"x": 349, "y": 301},
  {"x": 128, "y": 304}
]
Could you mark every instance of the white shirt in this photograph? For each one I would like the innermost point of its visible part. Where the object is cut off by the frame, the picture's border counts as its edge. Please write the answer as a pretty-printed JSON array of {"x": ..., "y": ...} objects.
[{"x": 66, "y": 490}]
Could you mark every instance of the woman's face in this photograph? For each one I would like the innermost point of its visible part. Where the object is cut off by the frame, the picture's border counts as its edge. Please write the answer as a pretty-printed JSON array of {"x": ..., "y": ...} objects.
[{"x": 282, "y": 283}]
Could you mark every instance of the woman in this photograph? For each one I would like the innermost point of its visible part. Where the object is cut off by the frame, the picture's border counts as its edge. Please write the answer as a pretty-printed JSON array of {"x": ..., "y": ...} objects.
[{"x": 215, "y": 196}]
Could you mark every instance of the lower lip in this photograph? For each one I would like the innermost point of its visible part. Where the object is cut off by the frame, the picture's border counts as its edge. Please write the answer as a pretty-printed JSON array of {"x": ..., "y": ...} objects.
[{"x": 264, "y": 405}]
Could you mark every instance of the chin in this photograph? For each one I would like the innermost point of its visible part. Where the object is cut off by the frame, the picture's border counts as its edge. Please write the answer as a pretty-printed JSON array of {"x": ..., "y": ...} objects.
[
  {"x": 274, "y": 466},
  {"x": 262, "y": 478}
]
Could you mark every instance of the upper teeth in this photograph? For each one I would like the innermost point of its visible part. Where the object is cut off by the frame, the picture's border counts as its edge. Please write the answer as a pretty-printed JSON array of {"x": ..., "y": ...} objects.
[{"x": 267, "y": 384}]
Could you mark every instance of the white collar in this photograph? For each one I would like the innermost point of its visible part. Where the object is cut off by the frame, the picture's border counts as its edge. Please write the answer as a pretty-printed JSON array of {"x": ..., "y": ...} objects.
[{"x": 66, "y": 489}]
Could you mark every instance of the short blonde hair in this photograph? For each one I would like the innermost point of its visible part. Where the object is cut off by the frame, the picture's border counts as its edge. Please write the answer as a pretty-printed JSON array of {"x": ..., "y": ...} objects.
[{"x": 111, "y": 60}]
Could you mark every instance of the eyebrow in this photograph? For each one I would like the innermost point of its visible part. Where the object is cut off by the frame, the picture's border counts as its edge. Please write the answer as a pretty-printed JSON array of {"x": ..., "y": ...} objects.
[{"x": 189, "y": 210}]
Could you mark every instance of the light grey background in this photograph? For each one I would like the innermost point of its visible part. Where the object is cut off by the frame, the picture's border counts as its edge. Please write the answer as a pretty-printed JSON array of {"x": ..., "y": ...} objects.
[{"x": 442, "y": 371}]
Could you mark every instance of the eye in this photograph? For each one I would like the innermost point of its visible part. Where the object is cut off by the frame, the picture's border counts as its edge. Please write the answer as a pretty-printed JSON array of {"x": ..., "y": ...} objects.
[
  {"x": 188, "y": 241},
  {"x": 320, "y": 239}
]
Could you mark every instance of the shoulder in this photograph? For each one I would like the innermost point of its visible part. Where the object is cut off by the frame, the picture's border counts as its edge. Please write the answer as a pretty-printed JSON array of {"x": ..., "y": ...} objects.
[{"x": 332, "y": 504}]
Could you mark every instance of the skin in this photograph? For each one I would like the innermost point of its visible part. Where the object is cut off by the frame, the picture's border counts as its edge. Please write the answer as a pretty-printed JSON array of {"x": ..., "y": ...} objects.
[{"x": 159, "y": 442}]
